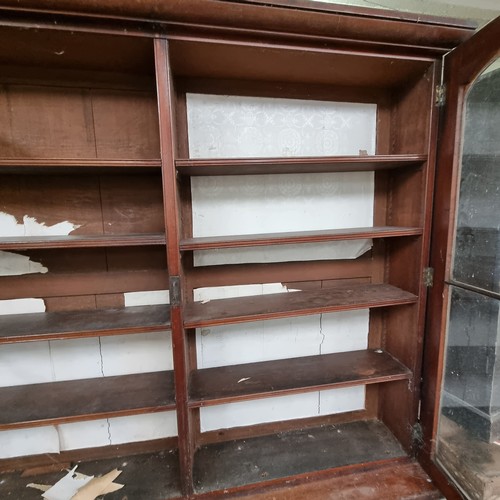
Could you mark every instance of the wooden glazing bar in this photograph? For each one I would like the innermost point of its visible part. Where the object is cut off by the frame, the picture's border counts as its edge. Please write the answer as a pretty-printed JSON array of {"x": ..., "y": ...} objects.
[
  {"x": 252, "y": 240},
  {"x": 78, "y": 324},
  {"x": 280, "y": 305},
  {"x": 81, "y": 241},
  {"x": 253, "y": 166},
  {"x": 88, "y": 399},
  {"x": 225, "y": 384}
]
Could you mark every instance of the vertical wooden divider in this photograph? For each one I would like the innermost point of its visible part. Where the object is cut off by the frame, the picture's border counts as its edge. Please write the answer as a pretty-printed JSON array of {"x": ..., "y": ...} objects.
[{"x": 168, "y": 147}]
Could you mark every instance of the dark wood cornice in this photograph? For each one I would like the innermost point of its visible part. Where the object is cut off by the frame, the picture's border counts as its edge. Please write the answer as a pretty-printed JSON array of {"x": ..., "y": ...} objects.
[{"x": 298, "y": 18}]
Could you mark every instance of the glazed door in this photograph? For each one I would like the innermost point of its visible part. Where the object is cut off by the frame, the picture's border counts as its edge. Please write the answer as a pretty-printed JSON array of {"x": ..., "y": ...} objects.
[{"x": 461, "y": 404}]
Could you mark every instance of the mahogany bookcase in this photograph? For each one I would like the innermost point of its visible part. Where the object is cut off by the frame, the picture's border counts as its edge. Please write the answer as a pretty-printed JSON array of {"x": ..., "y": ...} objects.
[{"x": 94, "y": 130}]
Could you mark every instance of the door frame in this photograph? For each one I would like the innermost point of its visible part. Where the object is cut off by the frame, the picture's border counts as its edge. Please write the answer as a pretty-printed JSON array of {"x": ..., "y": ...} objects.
[{"x": 461, "y": 67}]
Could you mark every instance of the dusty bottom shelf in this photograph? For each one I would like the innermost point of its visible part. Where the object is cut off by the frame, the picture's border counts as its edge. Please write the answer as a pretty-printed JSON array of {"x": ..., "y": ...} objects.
[
  {"x": 246, "y": 461},
  {"x": 151, "y": 476}
]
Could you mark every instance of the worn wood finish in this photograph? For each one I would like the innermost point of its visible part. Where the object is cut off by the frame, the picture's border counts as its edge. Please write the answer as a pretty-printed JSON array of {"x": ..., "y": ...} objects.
[
  {"x": 283, "y": 272},
  {"x": 392, "y": 480},
  {"x": 87, "y": 399},
  {"x": 252, "y": 240},
  {"x": 126, "y": 240},
  {"x": 85, "y": 323},
  {"x": 267, "y": 428},
  {"x": 210, "y": 386},
  {"x": 79, "y": 167},
  {"x": 146, "y": 475},
  {"x": 55, "y": 285},
  {"x": 274, "y": 21},
  {"x": 168, "y": 146},
  {"x": 461, "y": 68},
  {"x": 280, "y": 305},
  {"x": 411, "y": 197},
  {"x": 253, "y": 166},
  {"x": 57, "y": 122},
  {"x": 65, "y": 458},
  {"x": 219, "y": 466}
]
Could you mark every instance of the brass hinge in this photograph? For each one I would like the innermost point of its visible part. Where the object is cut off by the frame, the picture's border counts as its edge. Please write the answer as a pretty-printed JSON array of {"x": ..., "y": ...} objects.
[
  {"x": 440, "y": 95},
  {"x": 175, "y": 290},
  {"x": 428, "y": 276}
]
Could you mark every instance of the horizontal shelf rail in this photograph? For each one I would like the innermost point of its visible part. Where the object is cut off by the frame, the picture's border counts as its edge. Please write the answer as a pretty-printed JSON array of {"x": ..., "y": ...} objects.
[
  {"x": 88, "y": 399},
  {"x": 79, "y": 324},
  {"x": 76, "y": 165},
  {"x": 211, "y": 386},
  {"x": 81, "y": 241},
  {"x": 281, "y": 305},
  {"x": 296, "y": 237},
  {"x": 254, "y": 166}
]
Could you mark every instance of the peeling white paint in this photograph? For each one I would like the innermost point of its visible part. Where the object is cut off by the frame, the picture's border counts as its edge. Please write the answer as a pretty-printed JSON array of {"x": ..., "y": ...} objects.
[
  {"x": 223, "y": 292},
  {"x": 21, "y": 306},
  {"x": 148, "y": 298},
  {"x": 13, "y": 264},
  {"x": 31, "y": 227}
]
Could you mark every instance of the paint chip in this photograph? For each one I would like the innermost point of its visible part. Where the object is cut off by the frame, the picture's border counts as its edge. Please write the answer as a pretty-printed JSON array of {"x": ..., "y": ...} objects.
[{"x": 77, "y": 486}]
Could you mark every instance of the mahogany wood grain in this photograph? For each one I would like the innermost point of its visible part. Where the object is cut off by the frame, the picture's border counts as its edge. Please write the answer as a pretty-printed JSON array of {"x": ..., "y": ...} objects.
[
  {"x": 85, "y": 241},
  {"x": 284, "y": 272},
  {"x": 264, "y": 429},
  {"x": 280, "y": 305},
  {"x": 312, "y": 63},
  {"x": 168, "y": 147},
  {"x": 51, "y": 166},
  {"x": 55, "y": 403},
  {"x": 56, "y": 285},
  {"x": 79, "y": 324},
  {"x": 284, "y": 90},
  {"x": 58, "y": 122},
  {"x": 253, "y": 166},
  {"x": 211, "y": 386},
  {"x": 397, "y": 480},
  {"x": 252, "y": 240},
  {"x": 263, "y": 20},
  {"x": 460, "y": 70}
]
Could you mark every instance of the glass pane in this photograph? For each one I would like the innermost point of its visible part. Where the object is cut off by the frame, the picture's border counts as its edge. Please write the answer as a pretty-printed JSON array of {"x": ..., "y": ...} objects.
[
  {"x": 468, "y": 445},
  {"x": 477, "y": 247}
]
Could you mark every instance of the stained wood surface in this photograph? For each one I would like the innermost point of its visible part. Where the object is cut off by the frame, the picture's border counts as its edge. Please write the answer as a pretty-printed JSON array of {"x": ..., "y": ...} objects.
[
  {"x": 279, "y": 305},
  {"x": 84, "y": 283},
  {"x": 401, "y": 480},
  {"x": 235, "y": 463},
  {"x": 75, "y": 166},
  {"x": 218, "y": 385},
  {"x": 87, "y": 241},
  {"x": 43, "y": 121},
  {"x": 76, "y": 324},
  {"x": 147, "y": 476},
  {"x": 251, "y": 240},
  {"x": 251, "y": 166},
  {"x": 87, "y": 399}
]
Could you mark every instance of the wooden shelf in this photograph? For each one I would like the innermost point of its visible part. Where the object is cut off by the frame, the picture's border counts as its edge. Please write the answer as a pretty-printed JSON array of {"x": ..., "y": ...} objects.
[
  {"x": 280, "y": 305},
  {"x": 78, "y": 324},
  {"x": 227, "y": 465},
  {"x": 77, "y": 400},
  {"x": 211, "y": 386},
  {"x": 81, "y": 241},
  {"x": 76, "y": 165},
  {"x": 252, "y": 166},
  {"x": 254, "y": 240}
]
